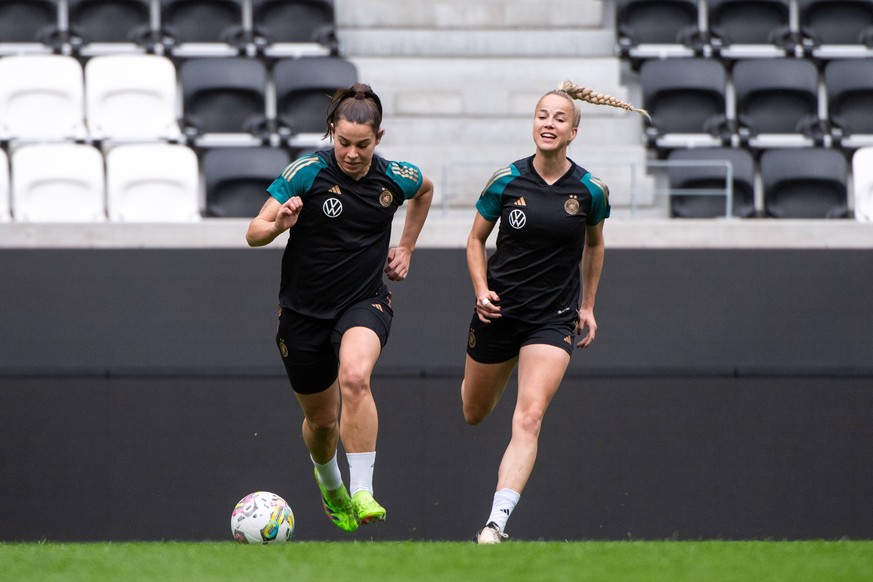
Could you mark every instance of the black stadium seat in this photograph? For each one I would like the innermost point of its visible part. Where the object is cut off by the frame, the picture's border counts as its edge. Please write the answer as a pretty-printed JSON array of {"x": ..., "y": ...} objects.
[
  {"x": 777, "y": 101},
  {"x": 837, "y": 22},
  {"x": 27, "y": 22},
  {"x": 237, "y": 178},
  {"x": 685, "y": 173},
  {"x": 749, "y": 28},
  {"x": 849, "y": 85},
  {"x": 655, "y": 22},
  {"x": 114, "y": 22},
  {"x": 224, "y": 95},
  {"x": 686, "y": 99},
  {"x": 303, "y": 90},
  {"x": 202, "y": 22},
  {"x": 805, "y": 183},
  {"x": 286, "y": 27}
]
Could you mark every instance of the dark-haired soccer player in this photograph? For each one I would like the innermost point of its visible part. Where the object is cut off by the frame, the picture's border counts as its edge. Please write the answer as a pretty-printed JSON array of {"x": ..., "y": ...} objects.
[
  {"x": 334, "y": 307},
  {"x": 530, "y": 302}
]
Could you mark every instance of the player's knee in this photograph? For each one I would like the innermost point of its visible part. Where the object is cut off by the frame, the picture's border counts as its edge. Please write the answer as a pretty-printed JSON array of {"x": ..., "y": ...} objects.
[
  {"x": 529, "y": 422},
  {"x": 322, "y": 424},
  {"x": 354, "y": 384},
  {"x": 472, "y": 417},
  {"x": 475, "y": 414}
]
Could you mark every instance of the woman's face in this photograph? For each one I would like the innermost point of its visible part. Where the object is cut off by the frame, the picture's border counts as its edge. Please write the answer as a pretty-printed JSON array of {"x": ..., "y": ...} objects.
[
  {"x": 354, "y": 145},
  {"x": 554, "y": 123}
]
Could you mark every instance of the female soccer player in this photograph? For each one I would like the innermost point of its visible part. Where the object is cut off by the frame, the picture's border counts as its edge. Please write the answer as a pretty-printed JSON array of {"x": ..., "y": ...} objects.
[
  {"x": 528, "y": 308},
  {"x": 334, "y": 307}
]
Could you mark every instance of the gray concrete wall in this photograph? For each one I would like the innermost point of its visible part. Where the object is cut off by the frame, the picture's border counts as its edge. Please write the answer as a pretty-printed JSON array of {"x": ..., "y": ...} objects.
[
  {"x": 728, "y": 396},
  {"x": 195, "y": 311}
]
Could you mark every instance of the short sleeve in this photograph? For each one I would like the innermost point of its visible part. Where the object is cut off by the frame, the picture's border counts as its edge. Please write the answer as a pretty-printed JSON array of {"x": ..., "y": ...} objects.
[
  {"x": 599, "y": 199},
  {"x": 407, "y": 177},
  {"x": 296, "y": 178},
  {"x": 491, "y": 199}
]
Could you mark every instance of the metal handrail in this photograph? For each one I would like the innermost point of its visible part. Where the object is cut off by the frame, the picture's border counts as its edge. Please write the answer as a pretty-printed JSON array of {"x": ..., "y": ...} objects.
[{"x": 727, "y": 191}]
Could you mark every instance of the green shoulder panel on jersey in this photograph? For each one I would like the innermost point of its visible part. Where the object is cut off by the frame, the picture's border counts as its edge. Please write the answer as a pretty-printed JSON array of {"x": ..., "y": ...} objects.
[
  {"x": 599, "y": 198},
  {"x": 490, "y": 200},
  {"x": 297, "y": 177},
  {"x": 407, "y": 176}
]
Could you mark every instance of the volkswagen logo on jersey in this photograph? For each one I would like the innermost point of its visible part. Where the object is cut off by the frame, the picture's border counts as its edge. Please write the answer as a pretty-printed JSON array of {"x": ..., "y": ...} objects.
[
  {"x": 332, "y": 207},
  {"x": 517, "y": 218}
]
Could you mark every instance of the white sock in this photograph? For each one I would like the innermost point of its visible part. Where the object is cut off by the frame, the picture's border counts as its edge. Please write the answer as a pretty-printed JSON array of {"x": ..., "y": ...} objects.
[
  {"x": 361, "y": 471},
  {"x": 329, "y": 474},
  {"x": 505, "y": 501}
]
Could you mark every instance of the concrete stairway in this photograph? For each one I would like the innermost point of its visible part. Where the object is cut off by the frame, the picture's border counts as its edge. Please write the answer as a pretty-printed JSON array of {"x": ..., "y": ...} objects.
[{"x": 459, "y": 81}]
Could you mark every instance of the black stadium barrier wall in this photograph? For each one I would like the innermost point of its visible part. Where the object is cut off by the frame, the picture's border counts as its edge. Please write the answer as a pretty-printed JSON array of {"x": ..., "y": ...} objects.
[{"x": 729, "y": 395}]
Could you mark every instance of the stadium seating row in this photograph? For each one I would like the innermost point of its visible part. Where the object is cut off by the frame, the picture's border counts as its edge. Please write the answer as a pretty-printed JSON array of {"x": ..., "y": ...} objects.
[
  {"x": 739, "y": 82},
  {"x": 141, "y": 97},
  {"x": 744, "y": 28},
  {"x": 155, "y": 182},
  {"x": 277, "y": 28},
  {"x": 779, "y": 102},
  {"x": 795, "y": 183},
  {"x": 160, "y": 182}
]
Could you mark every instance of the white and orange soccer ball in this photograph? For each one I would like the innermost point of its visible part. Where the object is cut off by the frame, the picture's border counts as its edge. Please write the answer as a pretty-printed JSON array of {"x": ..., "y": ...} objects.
[{"x": 262, "y": 518}]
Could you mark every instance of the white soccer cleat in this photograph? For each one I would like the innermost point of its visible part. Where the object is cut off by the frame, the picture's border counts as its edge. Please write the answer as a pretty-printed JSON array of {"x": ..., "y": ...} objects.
[{"x": 490, "y": 535}]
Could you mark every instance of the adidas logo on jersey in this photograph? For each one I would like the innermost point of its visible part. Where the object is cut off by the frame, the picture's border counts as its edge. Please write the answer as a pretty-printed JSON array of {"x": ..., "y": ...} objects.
[
  {"x": 404, "y": 171},
  {"x": 335, "y": 190},
  {"x": 520, "y": 202}
]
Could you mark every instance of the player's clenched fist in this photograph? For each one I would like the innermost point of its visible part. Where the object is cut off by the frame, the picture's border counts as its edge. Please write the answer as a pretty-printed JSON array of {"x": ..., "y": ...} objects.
[{"x": 288, "y": 213}]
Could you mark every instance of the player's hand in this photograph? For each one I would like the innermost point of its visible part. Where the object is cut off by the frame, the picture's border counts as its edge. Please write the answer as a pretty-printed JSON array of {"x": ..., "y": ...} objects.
[
  {"x": 586, "y": 322},
  {"x": 288, "y": 213},
  {"x": 397, "y": 265},
  {"x": 486, "y": 306}
]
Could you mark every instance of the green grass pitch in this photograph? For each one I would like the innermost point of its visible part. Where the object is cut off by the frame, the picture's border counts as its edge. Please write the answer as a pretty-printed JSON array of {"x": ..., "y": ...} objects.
[{"x": 629, "y": 561}]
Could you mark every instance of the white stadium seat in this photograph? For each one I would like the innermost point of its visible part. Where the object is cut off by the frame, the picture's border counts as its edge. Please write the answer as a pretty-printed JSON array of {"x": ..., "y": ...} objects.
[
  {"x": 4, "y": 187},
  {"x": 862, "y": 168},
  {"x": 152, "y": 183},
  {"x": 41, "y": 97},
  {"x": 58, "y": 183},
  {"x": 131, "y": 97}
]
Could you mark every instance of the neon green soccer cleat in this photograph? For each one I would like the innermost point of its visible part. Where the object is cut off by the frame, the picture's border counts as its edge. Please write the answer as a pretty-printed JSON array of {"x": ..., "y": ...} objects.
[
  {"x": 338, "y": 507},
  {"x": 367, "y": 509}
]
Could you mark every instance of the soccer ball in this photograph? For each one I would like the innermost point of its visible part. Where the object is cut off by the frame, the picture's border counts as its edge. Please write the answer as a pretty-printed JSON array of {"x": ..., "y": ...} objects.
[{"x": 262, "y": 518}]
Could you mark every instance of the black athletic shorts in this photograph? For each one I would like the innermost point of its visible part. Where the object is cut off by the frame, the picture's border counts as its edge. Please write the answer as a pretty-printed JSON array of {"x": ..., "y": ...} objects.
[
  {"x": 310, "y": 346},
  {"x": 502, "y": 338}
]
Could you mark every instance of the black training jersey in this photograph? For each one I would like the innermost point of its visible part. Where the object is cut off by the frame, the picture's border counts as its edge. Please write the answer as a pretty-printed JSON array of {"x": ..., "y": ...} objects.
[
  {"x": 336, "y": 251},
  {"x": 536, "y": 267}
]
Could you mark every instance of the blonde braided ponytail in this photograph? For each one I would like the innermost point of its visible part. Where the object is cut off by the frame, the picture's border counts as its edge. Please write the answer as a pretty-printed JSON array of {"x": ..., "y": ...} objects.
[{"x": 585, "y": 94}]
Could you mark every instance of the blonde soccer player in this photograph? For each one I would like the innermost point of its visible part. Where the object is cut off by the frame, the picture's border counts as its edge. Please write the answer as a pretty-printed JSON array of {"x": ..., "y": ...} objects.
[{"x": 534, "y": 297}]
